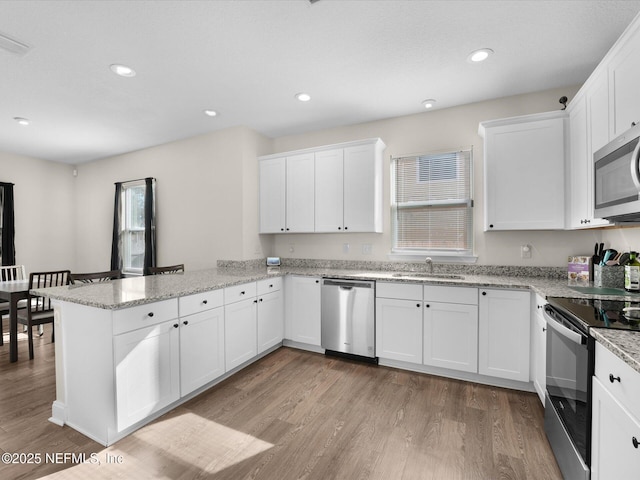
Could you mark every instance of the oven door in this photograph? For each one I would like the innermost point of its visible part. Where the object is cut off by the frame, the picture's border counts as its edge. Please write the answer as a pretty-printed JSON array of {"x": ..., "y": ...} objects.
[{"x": 567, "y": 406}]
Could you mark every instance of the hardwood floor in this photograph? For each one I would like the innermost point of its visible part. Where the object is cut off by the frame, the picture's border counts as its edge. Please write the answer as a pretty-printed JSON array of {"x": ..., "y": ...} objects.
[{"x": 291, "y": 415}]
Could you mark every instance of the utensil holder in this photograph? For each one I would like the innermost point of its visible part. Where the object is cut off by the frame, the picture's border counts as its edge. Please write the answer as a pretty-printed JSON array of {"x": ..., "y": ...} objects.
[{"x": 608, "y": 276}]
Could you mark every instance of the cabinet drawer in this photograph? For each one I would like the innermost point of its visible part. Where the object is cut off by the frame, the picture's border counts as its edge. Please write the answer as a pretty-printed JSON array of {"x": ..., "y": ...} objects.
[
  {"x": 269, "y": 285},
  {"x": 402, "y": 291},
  {"x": 239, "y": 292},
  {"x": 129, "y": 319},
  {"x": 460, "y": 295},
  {"x": 626, "y": 390},
  {"x": 199, "y": 302}
]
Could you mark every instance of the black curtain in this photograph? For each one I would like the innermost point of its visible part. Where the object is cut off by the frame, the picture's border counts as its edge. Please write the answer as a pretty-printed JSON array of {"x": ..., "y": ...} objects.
[
  {"x": 149, "y": 225},
  {"x": 116, "y": 238},
  {"x": 8, "y": 251}
]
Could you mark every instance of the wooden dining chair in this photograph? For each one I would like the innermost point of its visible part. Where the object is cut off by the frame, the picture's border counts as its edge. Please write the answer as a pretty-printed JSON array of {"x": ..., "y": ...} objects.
[
  {"x": 9, "y": 273},
  {"x": 39, "y": 310},
  {"x": 95, "y": 277},
  {"x": 164, "y": 270}
]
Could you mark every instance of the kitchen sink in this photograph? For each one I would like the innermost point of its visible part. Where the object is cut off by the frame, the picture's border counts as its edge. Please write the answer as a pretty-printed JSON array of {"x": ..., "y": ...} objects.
[{"x": 427, "y": 276}]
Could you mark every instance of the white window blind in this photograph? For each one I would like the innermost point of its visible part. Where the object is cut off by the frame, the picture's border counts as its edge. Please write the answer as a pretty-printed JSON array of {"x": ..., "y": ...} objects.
[{"x": 432, "y": 203}]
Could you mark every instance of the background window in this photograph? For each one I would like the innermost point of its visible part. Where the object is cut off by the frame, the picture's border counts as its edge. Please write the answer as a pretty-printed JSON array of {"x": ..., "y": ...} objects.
[
  {"x": 432, "y": 204},
  {"x": 133, "y": 227}
]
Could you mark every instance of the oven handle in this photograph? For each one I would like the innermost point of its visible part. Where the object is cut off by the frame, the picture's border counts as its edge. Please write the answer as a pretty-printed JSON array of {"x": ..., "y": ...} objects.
[
  {"x": 569, "y": 334},
  {"x": 635, "y": 166}
]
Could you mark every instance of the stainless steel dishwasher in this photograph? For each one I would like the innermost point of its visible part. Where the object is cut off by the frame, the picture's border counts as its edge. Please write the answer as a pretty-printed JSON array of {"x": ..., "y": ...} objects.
[{"x": 348, "y": 317}]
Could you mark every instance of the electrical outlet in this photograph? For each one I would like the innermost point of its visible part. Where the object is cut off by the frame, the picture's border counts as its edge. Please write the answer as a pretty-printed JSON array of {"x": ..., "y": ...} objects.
[
  {"x": 525, "y": 251},
  {"x": 345, "y": 248},
  {"x": 367, "y": 248}
]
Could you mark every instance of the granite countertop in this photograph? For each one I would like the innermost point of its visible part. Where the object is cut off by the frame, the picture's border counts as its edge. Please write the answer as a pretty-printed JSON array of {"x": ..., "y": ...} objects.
[{"x": 129, "y": 292}]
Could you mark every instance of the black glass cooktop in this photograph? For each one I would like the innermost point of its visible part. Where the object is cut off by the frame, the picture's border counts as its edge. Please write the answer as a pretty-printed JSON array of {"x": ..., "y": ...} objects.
[{"x": 618, "y": 314}]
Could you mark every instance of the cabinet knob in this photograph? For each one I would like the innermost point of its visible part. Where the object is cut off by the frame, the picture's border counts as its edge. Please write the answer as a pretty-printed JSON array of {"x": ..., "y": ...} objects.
[
  {"x": 418, "y": 305},
  {"x": 255, "y": 301},
  {"x": 150, "y": 314},
  {"x": 186, "y": 322},
  {"x": 271, "y": 286},
  {"x": 287, "y": 229},
  {"x": 484, "y": 293},
  {"x": 544, "y": 329},
  {"x": 613, "y": 379},
  {"x": 339, "y": 228},
  {"x": 317, "y": 281},
  {"x": 491, "y": 226},
  {"x": 260, "y": 299},
  {"x": 633, "y": 124},
  {"x": 346, "y": 228},
  {"x": 204, "y": 302},
  {"x": 242, "y": 293},
  {"x": 427, "y": 305},
  {"x": 635, "y": 442},
  {"x": 282, "y": 229},
  {"x": 175, "y": 325}
]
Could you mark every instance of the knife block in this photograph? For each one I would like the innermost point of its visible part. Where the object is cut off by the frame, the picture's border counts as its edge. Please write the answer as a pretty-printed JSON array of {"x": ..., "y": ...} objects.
[{"x": 608, "y": 276}]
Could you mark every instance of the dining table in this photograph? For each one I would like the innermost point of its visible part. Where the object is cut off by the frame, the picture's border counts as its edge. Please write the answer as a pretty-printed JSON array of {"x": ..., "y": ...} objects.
[{"x": 13, "y": 291}]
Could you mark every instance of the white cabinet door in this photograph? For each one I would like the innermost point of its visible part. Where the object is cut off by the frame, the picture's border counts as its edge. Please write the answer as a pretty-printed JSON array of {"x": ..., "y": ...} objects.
[
  {"x": 615, "y": 438},
  {"x": 504, "y": 331},
  {"x": 624, "y": 78},
  {"x": 302, "y": 315},
  {"x": 362, "y": 189},
  {"x": 300, "y": 193},
  {"x": 147, "y": 367},
  {"x": 538, "y": 347},
  {"x": 524, "y": 173},
  {"x": 201, "y": 349},
  {"x": 597, "y": 97},
  {"x": 270, "y": 320},
  {"x": 399, "y": 330},
  {"x": 240, "y": 332},
  {"x": 451, "y": 336},
  {"x": 578, "y": 172},
  {"x": 272, "y": 195},
  {"x": 329, "y": 192}
]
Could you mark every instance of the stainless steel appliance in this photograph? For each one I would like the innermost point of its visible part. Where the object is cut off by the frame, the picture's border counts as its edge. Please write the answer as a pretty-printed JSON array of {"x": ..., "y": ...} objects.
[
  {"x": 570, "y": 363},
  {"x": 617, "y": 178},
  {"x": 348, "y": 317}
]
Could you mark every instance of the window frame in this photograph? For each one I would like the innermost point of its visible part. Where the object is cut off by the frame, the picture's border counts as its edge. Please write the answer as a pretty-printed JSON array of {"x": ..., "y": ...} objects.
[
  {"x": 449, "y": 255},
  {"x": 126, "y": 228}
]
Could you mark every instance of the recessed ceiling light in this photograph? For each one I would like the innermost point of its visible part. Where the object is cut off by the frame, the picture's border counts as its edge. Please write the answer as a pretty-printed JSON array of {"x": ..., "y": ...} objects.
[
  {"x": 429, "y": 103},
  {"x": 479, "y": 55},
  {"x": 210, "y": 113},
  {"x": 22, "y": 121},
  {"x": 123, "y": 70},
  {"x": 303, "y": 97}
]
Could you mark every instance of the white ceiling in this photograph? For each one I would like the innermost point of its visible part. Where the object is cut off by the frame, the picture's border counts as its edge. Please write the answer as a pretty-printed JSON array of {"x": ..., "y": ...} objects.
[{"x": 360, "y": 60}]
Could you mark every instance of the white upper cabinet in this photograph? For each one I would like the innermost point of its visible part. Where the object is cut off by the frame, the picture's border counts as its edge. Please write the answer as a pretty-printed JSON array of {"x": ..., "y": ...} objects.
[
  {"x": 624, "y": 78},
  {"x": 286, "y": 194},
  {"x": 300, "y": 189},
  {"x": 273, "y": 195},
  {"x": 329, "y": 189},
  {"x": 524, "y": 163}
]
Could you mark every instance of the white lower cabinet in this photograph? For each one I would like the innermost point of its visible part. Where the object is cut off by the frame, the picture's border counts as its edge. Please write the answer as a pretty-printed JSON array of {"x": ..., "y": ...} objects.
[
  {"x": 451, "y": 336},
  {"x": 615, "y": 434},
  {"x": 399, "y": 329},
  {"x": 270, "y": 314},
  {"x": 615, "y": 447},
  {"x": 504, "y": 333},
  {"x": 538, "y": 368},
  {"x": 240, "y": 332},
  {"x": 201, "y": 349},
  {"x": 147, "y": 371},
  {"x": 302, "y": 309}
]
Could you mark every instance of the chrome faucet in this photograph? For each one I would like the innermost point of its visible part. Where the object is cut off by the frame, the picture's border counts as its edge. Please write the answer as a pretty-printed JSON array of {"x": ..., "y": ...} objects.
[{"x": 429, "y": 265}]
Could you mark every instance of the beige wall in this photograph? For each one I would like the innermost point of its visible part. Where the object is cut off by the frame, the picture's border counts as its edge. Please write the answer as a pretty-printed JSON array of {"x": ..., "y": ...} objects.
[
  {"x": 432, "y": 131},
  {"x": 44, "y": 205},
  {"x": 205, "y": 197}
]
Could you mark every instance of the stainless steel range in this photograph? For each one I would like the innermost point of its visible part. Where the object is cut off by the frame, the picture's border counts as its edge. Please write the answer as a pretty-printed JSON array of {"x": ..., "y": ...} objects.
[{"x": 570, "y": 363}]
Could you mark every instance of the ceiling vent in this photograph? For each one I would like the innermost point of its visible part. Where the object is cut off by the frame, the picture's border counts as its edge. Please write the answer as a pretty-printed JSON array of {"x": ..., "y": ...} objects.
[{"x": 14, "y": 46}]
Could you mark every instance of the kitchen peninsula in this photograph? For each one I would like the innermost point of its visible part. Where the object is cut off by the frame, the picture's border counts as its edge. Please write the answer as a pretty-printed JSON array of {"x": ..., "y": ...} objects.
[{"x": 129, "y": 350}]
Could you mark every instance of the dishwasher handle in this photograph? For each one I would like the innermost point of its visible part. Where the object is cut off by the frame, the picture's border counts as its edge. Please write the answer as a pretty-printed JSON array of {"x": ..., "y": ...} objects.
[{"x": 346, "y": 284}]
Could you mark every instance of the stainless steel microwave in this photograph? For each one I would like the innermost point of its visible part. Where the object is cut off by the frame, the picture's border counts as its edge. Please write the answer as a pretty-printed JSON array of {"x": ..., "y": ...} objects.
[{"x": 617, "y": 178}]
